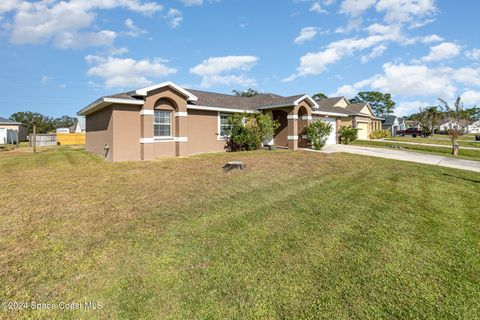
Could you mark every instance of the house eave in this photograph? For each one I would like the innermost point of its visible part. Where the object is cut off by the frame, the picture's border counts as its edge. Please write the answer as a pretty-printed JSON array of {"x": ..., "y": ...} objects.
[
  {"x": 218, "y": 109},
  {"x": 104, "y": 102},
  {"x": 144, "y": 91}
]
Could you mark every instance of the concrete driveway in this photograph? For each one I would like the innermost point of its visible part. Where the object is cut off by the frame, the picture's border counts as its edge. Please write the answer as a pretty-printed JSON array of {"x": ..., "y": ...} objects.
[{"x": 405, "y": 156}]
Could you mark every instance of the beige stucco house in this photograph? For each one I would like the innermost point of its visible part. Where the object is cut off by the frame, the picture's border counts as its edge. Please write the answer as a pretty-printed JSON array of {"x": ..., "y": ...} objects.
[
  {"x": 357, "y": 115},
  {"x": 168, "y": 120}
]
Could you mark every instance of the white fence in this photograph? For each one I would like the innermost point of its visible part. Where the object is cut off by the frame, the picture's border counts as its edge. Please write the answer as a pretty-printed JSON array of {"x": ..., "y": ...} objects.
[{"x": 43, "y": 140}]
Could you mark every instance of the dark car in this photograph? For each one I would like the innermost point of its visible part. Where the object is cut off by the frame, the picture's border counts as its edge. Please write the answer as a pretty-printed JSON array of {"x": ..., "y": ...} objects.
[{"x": 410, "y": 131}]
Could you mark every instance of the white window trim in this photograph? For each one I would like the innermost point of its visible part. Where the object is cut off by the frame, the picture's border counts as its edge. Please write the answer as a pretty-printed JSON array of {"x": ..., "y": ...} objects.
[
  {"x": 219, "y": 136},
  {"x": 169, "y": 137}
]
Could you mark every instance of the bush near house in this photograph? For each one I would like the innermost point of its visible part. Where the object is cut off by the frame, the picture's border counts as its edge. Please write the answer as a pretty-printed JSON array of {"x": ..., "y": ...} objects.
[
  {"x": 248, "y": 131},
  {"x": 347, "y": 134},
  {"x": 317, "y": 134},
  {"x": 380, "y": 134}
]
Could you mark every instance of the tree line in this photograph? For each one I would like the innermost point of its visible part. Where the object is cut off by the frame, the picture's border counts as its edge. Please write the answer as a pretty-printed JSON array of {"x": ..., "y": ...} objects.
[{"x": 43, "y": 124}]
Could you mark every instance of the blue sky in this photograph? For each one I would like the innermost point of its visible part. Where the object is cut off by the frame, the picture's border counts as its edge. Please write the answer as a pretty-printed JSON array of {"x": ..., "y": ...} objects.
[{"x": 56, "y": 57}]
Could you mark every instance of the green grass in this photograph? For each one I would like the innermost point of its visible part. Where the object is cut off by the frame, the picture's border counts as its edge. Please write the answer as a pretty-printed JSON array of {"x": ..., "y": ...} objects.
[
  {"x": 467, "y": 154},
  {"x": 467, "y": 137},
  {"x": 438, "y": 141},
  {"x": 295, "y": 236}
]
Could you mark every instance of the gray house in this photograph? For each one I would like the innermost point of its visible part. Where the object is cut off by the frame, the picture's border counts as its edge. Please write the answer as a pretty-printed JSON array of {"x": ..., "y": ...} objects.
[{"x": 393, "y": 124}]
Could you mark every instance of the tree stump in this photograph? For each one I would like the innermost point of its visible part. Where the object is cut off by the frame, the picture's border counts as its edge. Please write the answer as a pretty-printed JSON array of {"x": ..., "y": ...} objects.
[{"x": 232, "y": 165}]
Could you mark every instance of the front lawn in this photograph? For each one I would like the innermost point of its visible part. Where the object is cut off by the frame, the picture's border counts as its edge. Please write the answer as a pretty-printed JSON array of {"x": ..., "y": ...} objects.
[
  {"x": 298, "y": 235},
  {"x": 467, "y": 154}
]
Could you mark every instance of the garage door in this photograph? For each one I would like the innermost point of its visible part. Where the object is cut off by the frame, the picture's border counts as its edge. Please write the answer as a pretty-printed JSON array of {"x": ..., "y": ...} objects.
[
  {"x": 332, "y": 139},
  {"x": 3, "y": 135},
  {"x": 363, "y": 130}
]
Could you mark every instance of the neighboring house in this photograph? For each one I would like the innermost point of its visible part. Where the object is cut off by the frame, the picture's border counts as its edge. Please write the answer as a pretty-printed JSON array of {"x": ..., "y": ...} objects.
[
  {"x": 79, "y": 126},
  {"x": 16, "y": 127},
  {"x": 168, "y": 120},
  {"x": 357, "y": 115},
  {"x": 451, "y": 125},
  {"x": 393, "y": 124},
  {"x": 412, "y": 124},
  {"x": 474, "y": 127}
]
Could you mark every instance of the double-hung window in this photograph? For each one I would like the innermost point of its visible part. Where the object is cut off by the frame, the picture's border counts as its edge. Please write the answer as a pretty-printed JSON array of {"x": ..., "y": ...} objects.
[
  {"x": 224, "y": 126},
  {"x": 162, "y": 124}
]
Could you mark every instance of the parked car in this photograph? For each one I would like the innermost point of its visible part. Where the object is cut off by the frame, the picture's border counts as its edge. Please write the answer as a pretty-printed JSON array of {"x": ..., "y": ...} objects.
[{"x": 410, "y": 131}]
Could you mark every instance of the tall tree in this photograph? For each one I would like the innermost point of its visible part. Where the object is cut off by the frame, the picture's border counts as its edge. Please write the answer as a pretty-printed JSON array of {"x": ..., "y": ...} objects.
[
  {"x": 319, "y": 96},
  {"x": 43, "y": 123},
  {"x": 248, "y": 93},
  {"x": 459, "y": 117},
  {"x": 429, "y": 118},
  {"x": 64, "y": 122},
  {"x": 381, "y": 103}
]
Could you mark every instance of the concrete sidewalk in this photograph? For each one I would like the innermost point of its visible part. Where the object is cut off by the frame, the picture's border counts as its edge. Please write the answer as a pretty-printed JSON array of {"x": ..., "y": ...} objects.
[{"x": 405, "y": 156}]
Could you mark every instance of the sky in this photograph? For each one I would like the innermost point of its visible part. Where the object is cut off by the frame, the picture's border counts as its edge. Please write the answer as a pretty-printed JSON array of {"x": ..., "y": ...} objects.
[{"x": 56, "y": 57}]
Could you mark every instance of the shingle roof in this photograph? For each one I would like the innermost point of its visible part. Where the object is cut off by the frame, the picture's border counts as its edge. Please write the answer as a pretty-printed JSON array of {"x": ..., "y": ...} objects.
[
  {"x": 335, "y": 110},
  {"x": 7, "y": 121},
  {"x": 356, "y": 107},
  {"x": 329, "y": 102},
  {"x": 220, "y": 100},
  {"x": 122, "y": 95},
  {"x": 389, "y": 120}
]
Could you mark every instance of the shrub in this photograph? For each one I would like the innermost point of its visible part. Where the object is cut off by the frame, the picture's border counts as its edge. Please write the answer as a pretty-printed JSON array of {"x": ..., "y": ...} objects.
[
  {"x": 317, "y": 134},
  {"x": 248, "y": 131},
  {"x": 379, "y": 134},
  {"x": 347, "y": 134}
]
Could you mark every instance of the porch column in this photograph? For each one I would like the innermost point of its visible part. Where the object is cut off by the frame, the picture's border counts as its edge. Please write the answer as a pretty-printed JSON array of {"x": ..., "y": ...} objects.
[
  {"x": 181, "y": 132},
  {"x": 292, "y": 130},
  {"x": 146, "y": 134}
]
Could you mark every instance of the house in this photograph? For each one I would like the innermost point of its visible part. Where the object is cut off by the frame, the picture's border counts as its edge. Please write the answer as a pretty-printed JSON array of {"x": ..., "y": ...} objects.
[
  {"x": 79, "y": 126},
  {"x": 16, "y": 128},
  {"x": 412, "y": 124},
  {"x": 393, "y": 124},
  {"x": 168, "y": 120},
  {"x": 474, "y": 127},
  {"x": 357, "y": 115},
  {"x": 449, "y": 125}
]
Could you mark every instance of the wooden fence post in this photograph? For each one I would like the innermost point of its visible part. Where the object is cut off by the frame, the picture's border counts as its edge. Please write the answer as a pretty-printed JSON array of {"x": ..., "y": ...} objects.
[{"x": 34, "y": 139}]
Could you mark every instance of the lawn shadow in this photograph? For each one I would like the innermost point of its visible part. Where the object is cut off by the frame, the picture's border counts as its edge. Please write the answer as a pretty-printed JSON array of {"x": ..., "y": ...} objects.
[{"x": 465, "y": 179}]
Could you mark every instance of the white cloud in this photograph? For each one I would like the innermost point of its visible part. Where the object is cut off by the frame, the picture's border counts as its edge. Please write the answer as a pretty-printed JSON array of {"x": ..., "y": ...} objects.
[
  {"x": 471, "y": 97},
  {"x": 317, "y": 7},
  {"x": 133, "y": 30},
  {"x": 216, "y": 71},
  {"x": 413, "y": 80},
  {"x": 45, "y": 79},
  {"x": 315, "y": 63},
  {"x": 432, "y": 38},
  {"x": 176, "y": 17},
  {"x": 79, "y": 40},
  {"x": 400, "y": 11},
  {"x": 406, "y": 108},
  {"x": 127, "y": 73},
  {"x": 65, "y": 22},
  {"x": 306, "y": 34},
  {"x": 356, "y": 8},
  {"x": 443, "y": 51},
  {"x": 376, "y": 52},
  {"x": 473, "y": 54},
  {"x": 396, "y": 11}
]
